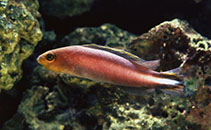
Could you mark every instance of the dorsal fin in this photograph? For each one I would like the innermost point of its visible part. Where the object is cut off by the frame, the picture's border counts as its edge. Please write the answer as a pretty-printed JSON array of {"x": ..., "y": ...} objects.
[
  {"x": 118, "y": 52},
  {"x": 148, "y": 64}
]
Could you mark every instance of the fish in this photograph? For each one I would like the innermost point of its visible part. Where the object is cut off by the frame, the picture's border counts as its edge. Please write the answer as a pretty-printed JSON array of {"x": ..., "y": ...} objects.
[{"x": 111, "y": 65}]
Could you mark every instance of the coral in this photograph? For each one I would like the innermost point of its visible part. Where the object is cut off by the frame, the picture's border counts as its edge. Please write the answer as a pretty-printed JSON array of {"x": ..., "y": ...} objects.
[
  {"x": 19, "y": 34},
  {"x": 156, "y": 112},
  {"x": 200, "y": 110},
  {"x": 171, "y": 42},
  {"x": 106, "y": 34},
  {"x": 58, "y": 101},
  {"x": 62, "y": 8},
  {"x": 197, "y": 80},
  {"x": 197, "y": 71},
  {"x": 32, "y": 107},
  {"x": 175, "y": 42}
]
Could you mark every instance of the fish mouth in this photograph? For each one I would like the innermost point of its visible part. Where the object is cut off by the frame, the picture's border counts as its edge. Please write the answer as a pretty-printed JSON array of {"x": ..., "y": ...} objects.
[{"x": 39, "y": 59}]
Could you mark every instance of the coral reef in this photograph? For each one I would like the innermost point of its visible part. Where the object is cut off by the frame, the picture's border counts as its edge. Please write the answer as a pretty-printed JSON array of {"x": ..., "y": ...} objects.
[
  {"x": 61, "y": 102},
  {"x": 19, "y": 34}
]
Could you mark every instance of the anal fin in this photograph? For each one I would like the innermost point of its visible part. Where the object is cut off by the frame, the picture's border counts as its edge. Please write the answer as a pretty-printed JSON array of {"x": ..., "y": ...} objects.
[{"x": 176, "y": 91}]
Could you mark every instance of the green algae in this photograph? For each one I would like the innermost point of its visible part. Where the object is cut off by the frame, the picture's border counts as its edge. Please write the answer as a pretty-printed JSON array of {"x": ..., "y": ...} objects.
[{"x": 19, "y": 34}]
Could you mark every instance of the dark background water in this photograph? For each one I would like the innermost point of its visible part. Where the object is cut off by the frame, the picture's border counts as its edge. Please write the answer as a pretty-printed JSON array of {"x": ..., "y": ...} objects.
[{"x": 135, "y": 16}]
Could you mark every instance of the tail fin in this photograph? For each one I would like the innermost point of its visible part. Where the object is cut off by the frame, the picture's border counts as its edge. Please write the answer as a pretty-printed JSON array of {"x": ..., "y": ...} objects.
[{"x": 173, "y": 82}]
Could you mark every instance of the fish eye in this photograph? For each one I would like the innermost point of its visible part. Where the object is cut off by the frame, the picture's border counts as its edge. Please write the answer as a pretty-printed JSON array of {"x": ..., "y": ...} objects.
[{"x": 50, "y": 57}]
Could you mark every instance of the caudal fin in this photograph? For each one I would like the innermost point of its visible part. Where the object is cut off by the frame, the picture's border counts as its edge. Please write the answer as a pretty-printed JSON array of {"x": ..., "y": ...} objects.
[{"x": 173, "y": 82}]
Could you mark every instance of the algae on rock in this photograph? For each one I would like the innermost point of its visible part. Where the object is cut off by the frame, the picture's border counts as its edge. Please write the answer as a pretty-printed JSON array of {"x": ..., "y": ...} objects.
[
  {"x": 106, "y": 34},
  {"x": 19, "y": 34},
  {"x": 171, "y": 42},
  {"x": 174, "y": 42}
]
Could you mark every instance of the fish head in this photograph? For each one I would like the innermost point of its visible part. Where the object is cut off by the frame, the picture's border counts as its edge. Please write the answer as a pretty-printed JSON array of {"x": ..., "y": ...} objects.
[{"x": 55, "y": 60}]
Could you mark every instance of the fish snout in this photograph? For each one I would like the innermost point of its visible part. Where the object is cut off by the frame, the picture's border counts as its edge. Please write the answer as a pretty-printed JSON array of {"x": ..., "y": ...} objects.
[{"x": 40, "y": 59}]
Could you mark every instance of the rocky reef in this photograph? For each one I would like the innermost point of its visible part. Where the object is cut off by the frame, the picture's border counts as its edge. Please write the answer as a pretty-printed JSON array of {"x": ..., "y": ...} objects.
[
  {"x": 61, "y": 102},
  {"x": 106, "y": 34},
  {"x": 34, "y": 98},
  {"x": 175, "y": 43},
  {"x": 19, "y": 34}
]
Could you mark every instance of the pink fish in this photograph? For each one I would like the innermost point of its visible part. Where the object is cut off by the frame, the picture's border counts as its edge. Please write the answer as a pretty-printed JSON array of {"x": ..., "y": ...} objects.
[{"x": 110, "y": 65}]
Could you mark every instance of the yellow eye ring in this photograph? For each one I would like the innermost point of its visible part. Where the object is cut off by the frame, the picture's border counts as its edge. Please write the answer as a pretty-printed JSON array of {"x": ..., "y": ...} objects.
[{"x": 50, "y": 57}]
